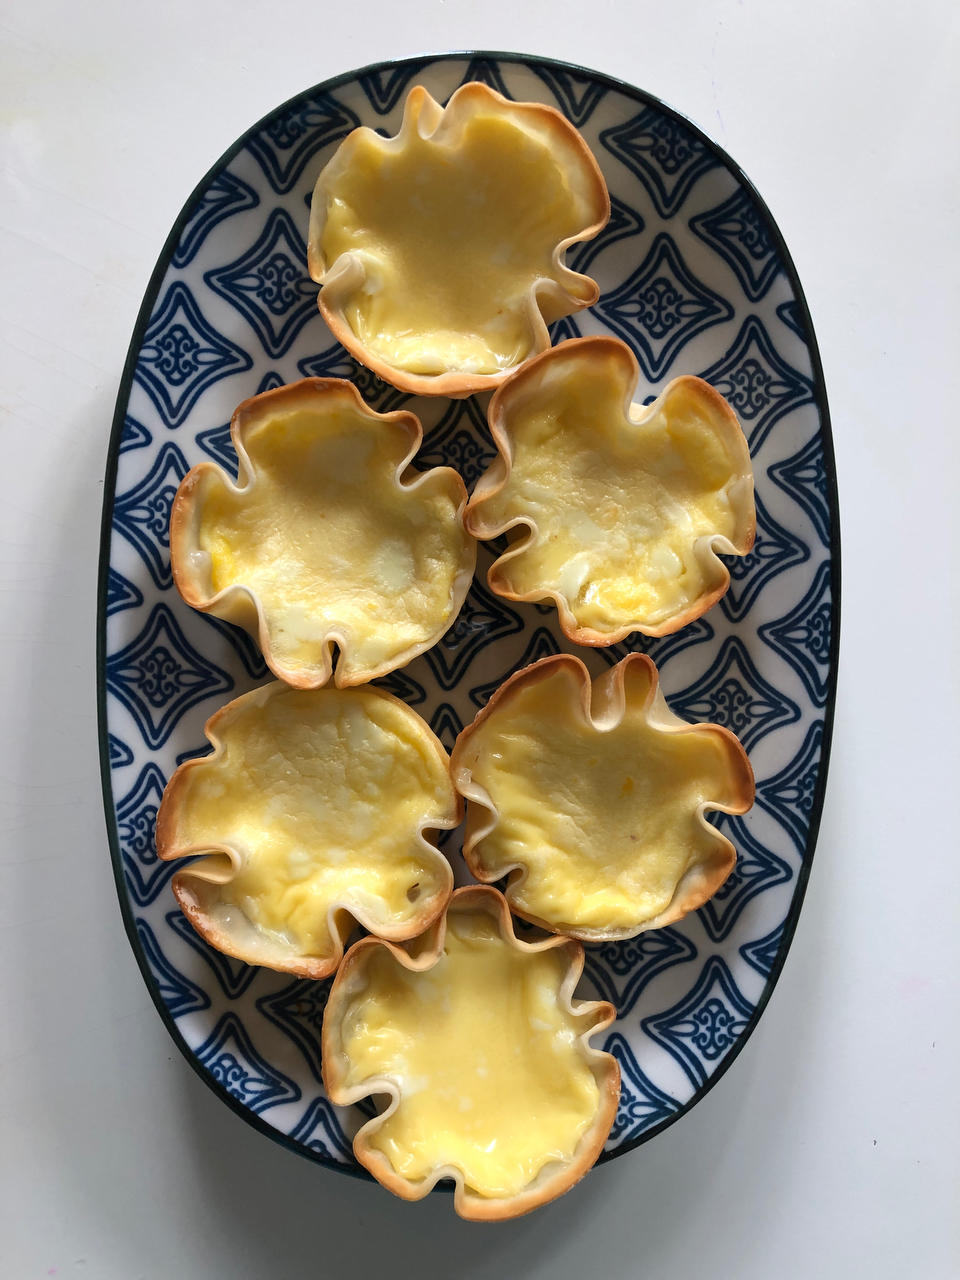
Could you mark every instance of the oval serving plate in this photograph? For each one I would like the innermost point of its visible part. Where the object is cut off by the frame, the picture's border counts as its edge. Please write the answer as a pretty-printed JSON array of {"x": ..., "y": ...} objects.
[{"x": 695, "y": 276}]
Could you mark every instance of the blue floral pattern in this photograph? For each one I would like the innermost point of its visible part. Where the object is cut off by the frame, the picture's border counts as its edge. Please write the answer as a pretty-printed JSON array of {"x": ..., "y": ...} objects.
[
  {"x": 661, "y": 648},
  {"x": 182, "y": 355},
  {"x": 297, "y": 1010},
  {"x": 737, "y": 232},
  {"x": 446, "y": 724},
  {"x": 460, "y": 440},
  {"x": 578, "y": 96},
  {"x": 803, "y": 477},
  {"x": 290, "y": 138},
  {"x": 484, "y": 617},
  {"x": 758, "y": 382},
  {"x": 663, "y": 154},
  {"x": 226, "y": 196},
  {"x": 134, "y": 435},
  {"x": 692, "y": 276},
  {"x": 642, "y": 1105},
  {"x": 705, "y": 1024},
  {"x": 803, "y": 636},
  {"x": 180, "y": 995},
  {"x": 734, "y": 693},
  {"x": 232, "y": 977},
  {"x": 661, "y": 307},
  {"x": 145, "y": 874},
  {"x": 789, "y": 794},
  {"x": 758, "y": 869},
  {"x": 620, "y": 971},
  {"x": 320, "y": 1131},
  {"x": 121, "y": 594},
  {"x": 269, "y": 284},
  {"x": 231, "y": 1058},
  {"x": 762, "y": 953},
  {"x": 143, "y": 513},
  {"x": 624, "y": 222},
  {"x": 160, "y": 675},
  {"x": 118, "y": 753},
  {"x": 775, "y": 550}
]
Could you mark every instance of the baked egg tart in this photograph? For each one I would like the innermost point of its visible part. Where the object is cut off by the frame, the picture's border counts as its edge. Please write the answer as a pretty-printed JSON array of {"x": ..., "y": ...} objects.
[
  {"x": 328, "y": 537},
  {"x": 482, "y": 1053},
  {"x": 309, "y": 815},
  {"x": 440, "y": 251},
  {"x": 591, "y": 799},
  {"x": 616, "y": 510}
]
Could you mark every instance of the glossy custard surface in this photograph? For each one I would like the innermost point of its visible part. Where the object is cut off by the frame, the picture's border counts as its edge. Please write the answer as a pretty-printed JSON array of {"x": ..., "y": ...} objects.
[
  {"x": 493, "y": 1078},
  {"x": 453, "y": 231},
  {"x": 619, "y": 505},
  {"x": 322, "y": 795},
  {"x": 604, "y": 822},
  {"x": 326, "y": 538}
]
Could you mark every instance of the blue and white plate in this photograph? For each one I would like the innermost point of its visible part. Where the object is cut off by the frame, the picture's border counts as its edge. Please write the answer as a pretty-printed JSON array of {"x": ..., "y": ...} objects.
[{"x": 694, "y": 275}]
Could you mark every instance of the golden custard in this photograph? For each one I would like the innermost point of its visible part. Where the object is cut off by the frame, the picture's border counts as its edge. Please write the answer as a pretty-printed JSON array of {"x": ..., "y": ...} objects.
[
  {"x": 487, "y": 1056},
  {"x": 312, "y": 810},
  {"x": 327, "y": 538},
  {"x": 625, "y": 505},
  {"x": 593, "y": 800},
  {"x": 440, "y": 250}
]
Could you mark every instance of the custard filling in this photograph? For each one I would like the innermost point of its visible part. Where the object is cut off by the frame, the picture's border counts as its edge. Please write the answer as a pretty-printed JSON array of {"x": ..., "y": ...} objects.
[
  {"x": 327, "y": 539},
  {"x": 604, "y": 823},
  {"x": 620, "y": 502},
  {"x": 493, "y": 1077},
  {"x": 451, "y": 243},
  {"x": 322, "y": 796}
]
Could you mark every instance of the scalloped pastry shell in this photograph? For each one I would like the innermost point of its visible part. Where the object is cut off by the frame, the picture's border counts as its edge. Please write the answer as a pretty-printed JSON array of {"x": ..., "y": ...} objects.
[
  {"x": 440, "y": 250},
  {"x": 329, "y": 536},
  {"x": 310, "y": 815},
  {"x": 592, "y": 799},
  {"x": 426, "y": 977},
  {"x": 625, "y": 505}
]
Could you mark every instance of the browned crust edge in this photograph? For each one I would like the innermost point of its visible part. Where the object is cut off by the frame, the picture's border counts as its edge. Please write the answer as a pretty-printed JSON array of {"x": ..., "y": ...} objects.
[
  {"x": 457, "y": 384},
  {"x": 239, "y": 604},
  {"x": 698, "y": 886},
  {"x": 498, "y": 473},
  {"x": 605, "y": 1067},
  {"x": 186, "y": 882}
]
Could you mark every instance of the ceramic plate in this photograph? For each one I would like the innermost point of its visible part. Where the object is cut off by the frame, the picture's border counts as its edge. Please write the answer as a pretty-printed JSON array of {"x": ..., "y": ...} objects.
[{"x": 694, "y": 275}]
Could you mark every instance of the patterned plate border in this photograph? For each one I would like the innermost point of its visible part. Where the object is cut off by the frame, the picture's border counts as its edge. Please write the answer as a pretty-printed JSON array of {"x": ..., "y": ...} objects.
[{"x": 150, "y": 297}]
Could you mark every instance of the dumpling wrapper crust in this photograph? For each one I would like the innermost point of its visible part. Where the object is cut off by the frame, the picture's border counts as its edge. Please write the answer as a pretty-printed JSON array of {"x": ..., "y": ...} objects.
[
  {"x": 427, "y": 514},
  {"x": 199, "y": 887},
  {"x": 554, "y": 1178},
  {"x": 353, "y": 269},
  {"x": 689, "y": 431},
  {"x": 633, "y": 684}
]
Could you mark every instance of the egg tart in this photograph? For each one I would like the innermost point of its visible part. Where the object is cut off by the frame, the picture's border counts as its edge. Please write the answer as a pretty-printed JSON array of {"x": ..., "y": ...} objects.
[
  {"x": 481, "y": 1057},
  {"x": 311, "y": 814},
  {"x": 591, "y": 799},
  {"x": 440, "y": 251},
  {"x": 329, "y": 537},
  {"x": 616, "y": 511}
]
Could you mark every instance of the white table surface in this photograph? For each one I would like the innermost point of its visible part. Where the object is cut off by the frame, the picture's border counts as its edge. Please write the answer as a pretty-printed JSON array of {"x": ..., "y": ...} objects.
[{"x": 831, "y": 1147}]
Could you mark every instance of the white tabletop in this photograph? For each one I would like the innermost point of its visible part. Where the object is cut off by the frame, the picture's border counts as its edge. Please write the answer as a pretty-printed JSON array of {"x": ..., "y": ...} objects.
[{"x": 831, "y": 1146}]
